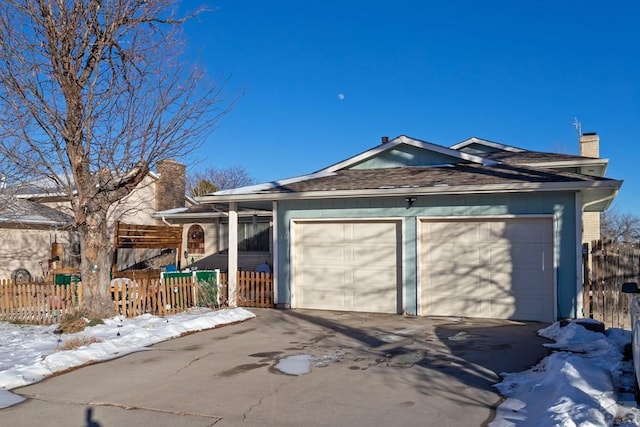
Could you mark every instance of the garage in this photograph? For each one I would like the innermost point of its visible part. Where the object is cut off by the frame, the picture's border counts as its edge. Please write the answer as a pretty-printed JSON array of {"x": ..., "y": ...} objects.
[
  {"x": 347, "y": 265},
  {"x": 500, "y": 268}
]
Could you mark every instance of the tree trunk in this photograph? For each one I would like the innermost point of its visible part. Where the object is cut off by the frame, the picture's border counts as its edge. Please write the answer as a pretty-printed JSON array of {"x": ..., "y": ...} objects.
[{"x": 95, "y": 267}]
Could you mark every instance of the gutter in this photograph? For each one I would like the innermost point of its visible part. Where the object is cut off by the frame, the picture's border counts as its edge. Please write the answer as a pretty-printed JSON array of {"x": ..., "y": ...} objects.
[
  {"x": 603, "y": 199},
  {"x": 413, "y": 191}
]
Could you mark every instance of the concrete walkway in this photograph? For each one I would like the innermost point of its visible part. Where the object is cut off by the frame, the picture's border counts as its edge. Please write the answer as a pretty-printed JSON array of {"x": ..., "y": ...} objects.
[{"x": 364, "y": 370}]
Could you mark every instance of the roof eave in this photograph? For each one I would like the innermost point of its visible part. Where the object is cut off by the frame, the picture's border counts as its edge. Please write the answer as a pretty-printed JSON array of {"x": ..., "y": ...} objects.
[{"x": 417, "y": 191}]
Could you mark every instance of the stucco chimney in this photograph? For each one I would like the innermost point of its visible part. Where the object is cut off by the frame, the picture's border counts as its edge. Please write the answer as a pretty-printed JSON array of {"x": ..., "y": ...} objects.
[
  {"x": 590, "y": 145},
  {"x": 170, "y": 188}
]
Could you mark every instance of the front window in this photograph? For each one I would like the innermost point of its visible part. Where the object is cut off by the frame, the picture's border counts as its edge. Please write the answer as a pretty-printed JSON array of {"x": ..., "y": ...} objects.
[{"x": 252, "y": 236}]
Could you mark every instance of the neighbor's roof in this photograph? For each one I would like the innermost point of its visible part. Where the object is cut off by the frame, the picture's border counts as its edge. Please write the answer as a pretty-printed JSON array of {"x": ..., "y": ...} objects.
[{"x": 19, "y": 211}]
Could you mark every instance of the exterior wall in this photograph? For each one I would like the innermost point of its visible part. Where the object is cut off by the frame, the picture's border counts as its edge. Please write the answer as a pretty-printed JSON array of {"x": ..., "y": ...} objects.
[
  {"x": 137, "y": 207},
  {"x": 561, "y": 205},
  {"x": 210, "y": 242},
  {"x": 29, "y": 249},
  {"x": 407, "y": 156},
  {"x": 591, "y": 226}
]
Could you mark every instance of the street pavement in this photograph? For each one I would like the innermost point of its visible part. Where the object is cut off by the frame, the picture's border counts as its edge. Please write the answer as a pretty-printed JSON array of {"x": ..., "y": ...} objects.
[{"x": 365, "y": 370}]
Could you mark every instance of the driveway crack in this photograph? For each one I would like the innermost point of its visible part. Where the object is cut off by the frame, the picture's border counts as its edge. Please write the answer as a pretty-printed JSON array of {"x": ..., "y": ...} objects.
[{"x": 259, "y": 402}]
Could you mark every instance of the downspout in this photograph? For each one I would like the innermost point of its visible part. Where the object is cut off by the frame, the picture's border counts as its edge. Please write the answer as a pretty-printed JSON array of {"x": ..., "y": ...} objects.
[{"x": 580, "y": 309}]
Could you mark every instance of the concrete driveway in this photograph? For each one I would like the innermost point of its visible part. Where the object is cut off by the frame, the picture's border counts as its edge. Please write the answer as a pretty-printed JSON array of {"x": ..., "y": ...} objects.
[{"x": 366, "y": 370}]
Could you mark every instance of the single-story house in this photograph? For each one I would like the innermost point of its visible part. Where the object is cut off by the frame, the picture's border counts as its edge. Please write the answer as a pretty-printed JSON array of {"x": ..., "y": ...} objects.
[{"x": 477, "y": 229}]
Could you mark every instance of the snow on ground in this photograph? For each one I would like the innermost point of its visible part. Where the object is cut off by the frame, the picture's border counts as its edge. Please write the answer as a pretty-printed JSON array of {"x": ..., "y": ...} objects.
[
  {"x": 582, "y": 383},
  {"x": 29, "y": 353}
]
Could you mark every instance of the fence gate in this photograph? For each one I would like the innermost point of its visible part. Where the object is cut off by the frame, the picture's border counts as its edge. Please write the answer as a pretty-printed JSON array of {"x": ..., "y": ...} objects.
[{"x": 606, "y": 266}]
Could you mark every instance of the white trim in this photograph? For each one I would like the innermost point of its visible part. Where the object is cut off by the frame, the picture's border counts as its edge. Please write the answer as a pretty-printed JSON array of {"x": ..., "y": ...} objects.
[
  {"x": 274, "y": 255},
  {"x": 399, "y": 246},
  {"x": 569, "y": 163},
  {"x": 232, "y": 254},
  {"x": 209, "y": 215},
  {"x": 579, "y": 309},
  {"x": 480, "y": 141},
  {"x": 403, "y": 260},
  {"x": 556, "y": 263},
  {"x": 419, "y": 191}
]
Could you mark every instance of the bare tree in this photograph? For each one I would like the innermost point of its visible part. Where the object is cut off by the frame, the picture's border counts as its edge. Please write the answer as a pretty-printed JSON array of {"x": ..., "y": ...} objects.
[
  {"x": 620, "y": 227},
  {"x": 92, "y": 95},
  {"x": 212, "y": 180}
]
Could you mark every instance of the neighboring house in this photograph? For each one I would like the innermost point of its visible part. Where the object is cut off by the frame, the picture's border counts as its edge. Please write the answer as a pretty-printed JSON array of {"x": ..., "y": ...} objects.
[
  {"x": 479, "y": 229},
  {"x": 31, "y": 235},
  {"x": 35, "y": 220}
]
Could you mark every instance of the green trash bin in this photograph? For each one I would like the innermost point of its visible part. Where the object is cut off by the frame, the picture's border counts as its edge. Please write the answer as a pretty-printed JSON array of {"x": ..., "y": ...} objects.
[{"x": 66, "y": 279}]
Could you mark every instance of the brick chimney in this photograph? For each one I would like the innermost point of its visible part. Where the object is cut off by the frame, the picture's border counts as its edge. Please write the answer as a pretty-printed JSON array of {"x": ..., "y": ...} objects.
[
  {"x": 590, "y": 145},
  {"x": 171, "y": 187}
]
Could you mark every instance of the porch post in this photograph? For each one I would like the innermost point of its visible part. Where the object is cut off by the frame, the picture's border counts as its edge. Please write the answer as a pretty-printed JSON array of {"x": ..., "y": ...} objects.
[
  {"x": 275, "y": 251},
  {"x": 233, "y": 252}
]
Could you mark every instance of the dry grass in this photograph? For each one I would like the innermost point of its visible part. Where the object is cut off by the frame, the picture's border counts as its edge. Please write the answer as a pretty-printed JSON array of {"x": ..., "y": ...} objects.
[
  {"x": 76, "y": 322},
  {"x": 77, "y": 342}
]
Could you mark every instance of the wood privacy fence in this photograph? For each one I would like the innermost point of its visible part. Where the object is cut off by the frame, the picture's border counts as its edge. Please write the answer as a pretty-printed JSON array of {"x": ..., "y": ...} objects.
[
  {"x": 606, "y": 266},
  {"x": 38, "y": 303}
]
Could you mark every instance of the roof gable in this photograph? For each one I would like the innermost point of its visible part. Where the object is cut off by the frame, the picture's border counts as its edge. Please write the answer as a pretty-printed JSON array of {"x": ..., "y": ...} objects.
[
  {"x": 479, "y": 146},
  {"x": 398, "y": 152},
  {"x": 406, "y": 151}
]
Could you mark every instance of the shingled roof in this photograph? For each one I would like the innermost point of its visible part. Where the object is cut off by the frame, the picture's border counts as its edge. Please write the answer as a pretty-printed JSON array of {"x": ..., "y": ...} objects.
[
  {"x": 20, "y": 211},
  {"x": 420, "y": 177}
]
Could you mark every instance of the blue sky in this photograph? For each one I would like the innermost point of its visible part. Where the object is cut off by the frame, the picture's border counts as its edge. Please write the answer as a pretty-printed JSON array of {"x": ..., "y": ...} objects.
[{"x": 515, "y": 72}]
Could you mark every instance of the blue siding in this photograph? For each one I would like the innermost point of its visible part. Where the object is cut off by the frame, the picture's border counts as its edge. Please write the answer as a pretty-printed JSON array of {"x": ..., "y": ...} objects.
[
  {"x": 406, "y": 155},
  {"x": 562, "y": 205}
]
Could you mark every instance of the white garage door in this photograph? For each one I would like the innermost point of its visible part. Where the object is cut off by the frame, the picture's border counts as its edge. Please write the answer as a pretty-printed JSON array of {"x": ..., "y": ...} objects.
[
  {"x": 493, "y": 268},
  {"x": 346, "y": 265}
]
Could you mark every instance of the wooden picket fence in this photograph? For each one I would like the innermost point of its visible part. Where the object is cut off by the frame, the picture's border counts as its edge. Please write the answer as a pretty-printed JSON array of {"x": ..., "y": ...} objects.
[
  {"x": 46, "y": 303},
  {"x": 38, "y": 303},
  {"x": 154, "y": 296},
  {"x": 253, "y": 289},
  {"x": 606, "y": 266}
]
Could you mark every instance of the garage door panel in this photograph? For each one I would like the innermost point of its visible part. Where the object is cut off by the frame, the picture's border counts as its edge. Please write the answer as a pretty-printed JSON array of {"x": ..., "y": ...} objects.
[
  {"x": 313, "y": 232},
  {"x": 496, "y": 268},
  {"x": 320, "y": 253},
  {"x": 372, "y": 232},
  {"x": 375, "y": 279},
  {"x": 529, "y": 230},
  {"x": 346, "y": 265},
  {"x": 383, "y": 254}
]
